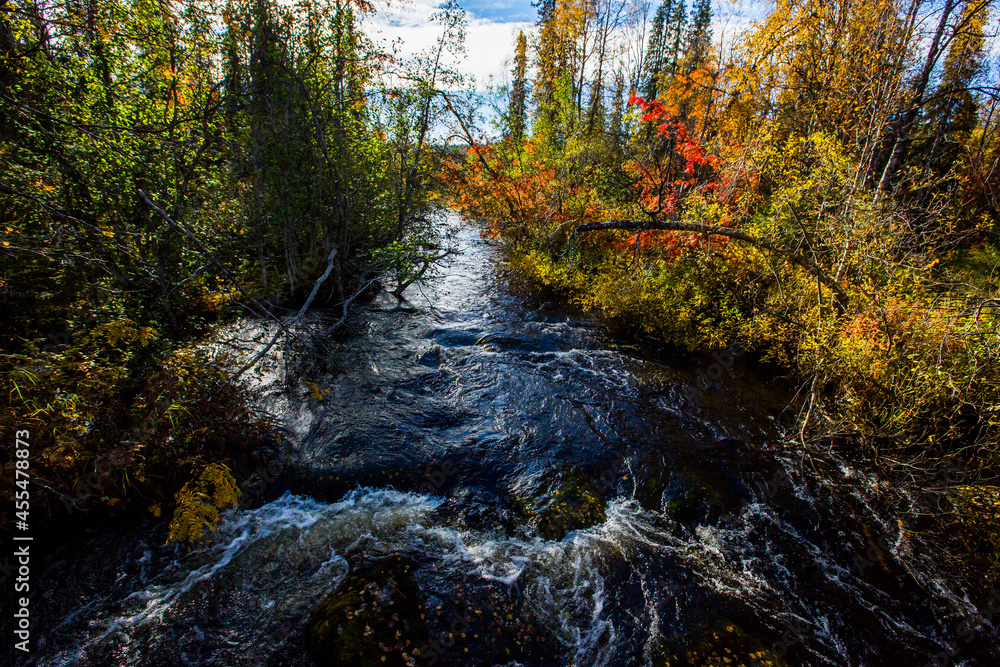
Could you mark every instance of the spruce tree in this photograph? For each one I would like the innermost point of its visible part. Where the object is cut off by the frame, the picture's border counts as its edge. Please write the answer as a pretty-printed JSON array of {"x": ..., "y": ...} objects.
[
  {"x": 519, "y": 89},
  {"x": 550, "y": 64},
  {"x": 545, "y": 9},
  {"x": 954, "y": 113},
  {"x": 674, "y": 36},
  {"x": 699, "y": 35},
  {"x": 655, "y": 51}
]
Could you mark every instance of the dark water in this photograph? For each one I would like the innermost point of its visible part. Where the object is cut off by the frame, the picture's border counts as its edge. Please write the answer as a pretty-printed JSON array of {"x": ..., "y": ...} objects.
[{"x": 569, "y": 501}]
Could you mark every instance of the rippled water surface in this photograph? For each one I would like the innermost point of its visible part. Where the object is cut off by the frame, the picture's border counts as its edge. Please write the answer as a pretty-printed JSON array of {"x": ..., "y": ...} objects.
[{"x": 617, "y": 506}]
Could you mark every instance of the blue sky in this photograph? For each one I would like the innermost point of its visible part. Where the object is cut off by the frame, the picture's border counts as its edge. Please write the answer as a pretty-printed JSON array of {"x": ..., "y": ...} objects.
[
  {"x": 502, "y": 10},
  {"x": 492, "y": 27}
]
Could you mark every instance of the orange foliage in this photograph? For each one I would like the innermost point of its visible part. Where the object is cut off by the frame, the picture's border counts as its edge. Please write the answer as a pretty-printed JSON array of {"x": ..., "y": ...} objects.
[
  {"x": 505, "y": 189},
  {"x": 510, "y": 190}
]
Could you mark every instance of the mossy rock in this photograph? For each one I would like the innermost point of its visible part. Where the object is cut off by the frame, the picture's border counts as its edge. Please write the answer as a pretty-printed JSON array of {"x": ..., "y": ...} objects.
[
  {"x": 373, "y": 618},
  {"x": 572, "y": 502},
  {"x": 691, "y": 504},
  {"x": 725, "y": 643}
]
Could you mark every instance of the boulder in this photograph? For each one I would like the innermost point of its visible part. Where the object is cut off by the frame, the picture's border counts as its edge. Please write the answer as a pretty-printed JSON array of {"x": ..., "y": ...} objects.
[{"x": 374, "y": 617}]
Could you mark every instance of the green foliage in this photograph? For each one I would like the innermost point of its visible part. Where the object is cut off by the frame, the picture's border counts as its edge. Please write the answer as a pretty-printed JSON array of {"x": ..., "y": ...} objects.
[
  {"x": 260, "y": 131},
  {"x": 115, "y": 424}
]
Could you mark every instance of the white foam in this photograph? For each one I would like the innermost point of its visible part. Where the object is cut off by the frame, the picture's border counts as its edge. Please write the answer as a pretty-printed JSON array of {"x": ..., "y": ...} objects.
[{"x": 561, "y": 582}]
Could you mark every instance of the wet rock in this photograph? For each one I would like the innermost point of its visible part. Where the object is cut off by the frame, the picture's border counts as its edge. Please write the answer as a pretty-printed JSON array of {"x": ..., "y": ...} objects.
[
  {"x": 572, "y": 501},
  {"x": 373, "y": 618},
  {"x": 490, "y": 624},
  {"x": 687, "y": 503},
  {"x": 433, "y": 357},
  {"x": 723, "y": 642}
]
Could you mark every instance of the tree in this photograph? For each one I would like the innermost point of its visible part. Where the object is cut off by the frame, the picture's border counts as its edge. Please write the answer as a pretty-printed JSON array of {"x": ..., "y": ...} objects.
[
  {"x": 833, "y": 66},
  {"x": 699, "y": 36},
  {"x": 430, "y": 72},
  {"x": 666, "y": 46},
  {"x": 615, "y": 129},
  {"x": 676, "y": 170},
  {"x": 674, "y": 35},
  {"x": 772, "y": 228},
  {"x": 899, "y": 134},
  {"x": 550, "y": 62},
  {"x": 655, "y": 51},
  {"x": 546, "y": 8},
  {"x": 168, "y": 164},
  {"x": 953, "y": 113},
  {"x": 519, "y": 89}
]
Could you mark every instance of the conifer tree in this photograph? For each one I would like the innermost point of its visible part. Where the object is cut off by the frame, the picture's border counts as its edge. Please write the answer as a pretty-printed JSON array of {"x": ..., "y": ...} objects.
[
  {"x": 674, "y": 35},
  {"x": 550, "y": 61},
  {"x": 617, "y": 109},
  {"x": 954, "y": 114},
  {"x": 519, "y": 89},
  {"x": 699, "y": 35},
  {"x": 655, "y": 51},
  {"x": 545, "y": 9}
]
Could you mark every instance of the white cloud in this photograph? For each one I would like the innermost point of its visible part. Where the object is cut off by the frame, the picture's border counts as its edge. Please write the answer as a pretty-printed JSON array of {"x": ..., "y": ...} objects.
[{"x": 407, "y": 27}]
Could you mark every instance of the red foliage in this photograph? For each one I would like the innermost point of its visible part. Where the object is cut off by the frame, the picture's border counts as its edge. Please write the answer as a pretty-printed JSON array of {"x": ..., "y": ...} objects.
[
  {"x": 507, "y": 186},
  {"x": 677, "y": 167},
  {"x": 670, "y": 176}
]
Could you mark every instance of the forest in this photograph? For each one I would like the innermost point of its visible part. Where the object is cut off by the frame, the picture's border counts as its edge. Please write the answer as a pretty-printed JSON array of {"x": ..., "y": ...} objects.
[
  {"x": 166, "y": 165},
  {"x": 809, "y": 186},
  {"x": 821, "y": 193}
]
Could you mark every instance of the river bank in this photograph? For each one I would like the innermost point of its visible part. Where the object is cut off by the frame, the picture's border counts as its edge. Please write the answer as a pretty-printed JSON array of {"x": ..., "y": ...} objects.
[{"x": 612, "y": 500}]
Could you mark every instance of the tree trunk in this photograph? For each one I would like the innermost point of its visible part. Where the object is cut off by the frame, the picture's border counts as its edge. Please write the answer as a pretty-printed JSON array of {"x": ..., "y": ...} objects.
[{"x": 902, "y": 128}]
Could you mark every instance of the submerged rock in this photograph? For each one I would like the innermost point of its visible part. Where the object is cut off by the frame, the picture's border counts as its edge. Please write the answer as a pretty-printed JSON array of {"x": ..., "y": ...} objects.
[
  {"x": 723, "y": 642},
  {"x": 375, "y": 617},
  {"x": 433, "y": 357},
  {"x": 570, "y": 501}
]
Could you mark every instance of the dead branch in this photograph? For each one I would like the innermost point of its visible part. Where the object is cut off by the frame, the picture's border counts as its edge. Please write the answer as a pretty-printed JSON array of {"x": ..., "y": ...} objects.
[
  {"x": 426, "y": 260},
  {"x": 298, "y": 316},
  {"x": 358, "y": 292}
]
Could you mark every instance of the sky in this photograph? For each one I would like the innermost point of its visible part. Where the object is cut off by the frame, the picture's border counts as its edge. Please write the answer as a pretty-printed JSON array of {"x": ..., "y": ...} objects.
[
  {"x": 491, "y": 28},
  {"x": 493, "y": 24}
]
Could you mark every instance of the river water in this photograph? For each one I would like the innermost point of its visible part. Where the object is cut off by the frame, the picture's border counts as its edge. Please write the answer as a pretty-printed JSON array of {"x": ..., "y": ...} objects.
[{"x": 569, "y": 500}]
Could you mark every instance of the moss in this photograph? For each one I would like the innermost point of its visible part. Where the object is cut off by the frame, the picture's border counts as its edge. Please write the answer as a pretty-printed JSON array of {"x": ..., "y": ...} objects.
[
  {"x": 374, "y": 617},
  {"x": 723, "y": 644},
  {"x": 571, "y": 501},
  {"x": 691, "y": 504}
]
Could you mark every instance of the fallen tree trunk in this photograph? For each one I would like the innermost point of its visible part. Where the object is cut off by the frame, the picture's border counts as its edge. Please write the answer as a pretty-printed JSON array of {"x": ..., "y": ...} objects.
[
  {"x": 841, "y": 297},
  {"x": 294, "y": 320},
  {"x": 426, "y": 261}
]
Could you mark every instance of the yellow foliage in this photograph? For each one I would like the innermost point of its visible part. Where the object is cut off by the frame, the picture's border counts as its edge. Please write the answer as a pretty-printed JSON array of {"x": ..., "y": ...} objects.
[
  {"x": 316, "y": 392},
  {"x": 124, "y": 331},
  {"x": 830, "y": 65},
  {"x": 199, "y": 502}
]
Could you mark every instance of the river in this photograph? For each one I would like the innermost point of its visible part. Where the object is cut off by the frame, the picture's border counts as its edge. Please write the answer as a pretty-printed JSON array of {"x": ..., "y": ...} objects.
[{"x": 568, "y": 500}]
